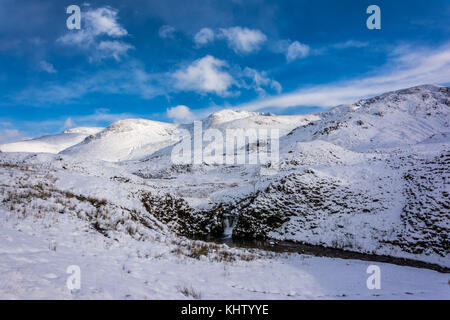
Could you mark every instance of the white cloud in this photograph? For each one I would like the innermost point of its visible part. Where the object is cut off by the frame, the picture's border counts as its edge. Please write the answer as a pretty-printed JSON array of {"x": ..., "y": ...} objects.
[
  {"x": 166, "y": 31},
  {"x": 98, "y": 24},
  {"x": 243, "y": 40},
  {"x": 128, "y": 78},
  {"x": 181, "y": 114},
  {"x": 69, "y": 123},
  {"x": 115, "y": 49},
  {"x": 47, "y": 67},
  {"x": 260, "y": 80},
  {"x": 204, "y": 36},
  {"x": 104, "y": 21},
  {"x": 204, "y": 75},
  {"x": 406, "y": 68},
  {"x": 297, "y": 50}
]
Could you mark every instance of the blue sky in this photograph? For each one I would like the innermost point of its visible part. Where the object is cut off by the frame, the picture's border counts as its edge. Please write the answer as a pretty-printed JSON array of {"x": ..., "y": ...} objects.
[{"x": 181, "y": 60}]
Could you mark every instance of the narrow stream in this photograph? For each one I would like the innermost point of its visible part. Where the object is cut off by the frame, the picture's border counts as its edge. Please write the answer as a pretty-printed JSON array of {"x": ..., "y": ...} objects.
[
  {"x": 321, "y": 251},
  {"x": 230, "y": 221}
]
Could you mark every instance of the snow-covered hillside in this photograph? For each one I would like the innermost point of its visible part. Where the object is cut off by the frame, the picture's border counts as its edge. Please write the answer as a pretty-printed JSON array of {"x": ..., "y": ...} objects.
[
  {"x": 346, "y": 180},
  {"x": 230, "y": 119},
  {"x": 125, "y": 140},
  {"x": 35, "y": 259},
  {"x": 52, "y": 143},
  {"x": 394, "y": 119},
  {"x": 372, "y": 178}
]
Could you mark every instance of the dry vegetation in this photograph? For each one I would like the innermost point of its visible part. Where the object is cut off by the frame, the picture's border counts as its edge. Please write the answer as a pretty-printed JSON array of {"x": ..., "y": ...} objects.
[
  {"x": 213, "y": 252},
  {"x": 190, "y": 292}
]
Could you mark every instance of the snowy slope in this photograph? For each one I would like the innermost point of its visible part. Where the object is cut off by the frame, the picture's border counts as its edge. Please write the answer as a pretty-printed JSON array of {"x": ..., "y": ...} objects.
[
  {"x": 219, "y": 118},
  {"x": 52, "y": 143},
  {"x": 135, "y": 139},
  {"x": 348, "y": 186},
  {"x": 35, "y": 259},
  {"x": 371, "y": 177},
  {"x": 56, "y": 211},
  {"x": 126, "y": 140},
  {"x": 230, "y": 119},
  {"x": 399, "y": 118}
]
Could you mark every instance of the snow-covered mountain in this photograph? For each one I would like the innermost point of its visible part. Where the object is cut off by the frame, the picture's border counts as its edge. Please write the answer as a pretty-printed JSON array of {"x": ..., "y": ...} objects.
[
  {"x": 134, "y": 139},
  {"x": 52, "y": 143},
  {"x": 399, "y": 118},
  {"x": 125, "y": 140},
  {"x": 370, "y": 177},
  {"x": 219, "y": 118},
  {"x": 231, "y": 119},
  {"x": 348, "y": 178}
]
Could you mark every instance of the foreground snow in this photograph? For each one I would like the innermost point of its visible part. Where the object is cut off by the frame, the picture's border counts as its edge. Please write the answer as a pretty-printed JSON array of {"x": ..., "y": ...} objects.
[{"x": 34, "y": 259}]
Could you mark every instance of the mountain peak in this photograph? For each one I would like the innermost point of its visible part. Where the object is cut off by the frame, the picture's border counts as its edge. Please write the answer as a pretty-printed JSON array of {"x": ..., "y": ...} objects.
[
  {"x": 227, "y": 115},
  {"x": 84, "y": 130}
]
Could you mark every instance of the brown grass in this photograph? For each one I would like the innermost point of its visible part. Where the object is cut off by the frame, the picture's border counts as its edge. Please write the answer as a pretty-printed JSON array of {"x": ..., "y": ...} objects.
[{"x": 190, "y": 292}]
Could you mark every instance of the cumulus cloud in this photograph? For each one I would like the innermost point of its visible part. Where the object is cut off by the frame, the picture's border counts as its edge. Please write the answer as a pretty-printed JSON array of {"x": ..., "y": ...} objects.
[
  {"x": 104, "y": 21},
  {"x": 180, "y": 114},
  {"x": 291, "y": 49},
  {"x": 47, "y": 67},
  {"x": 166, "y": 31},
  {"x": 204, "y": 36},
  {"x": 204, "y": 75},
  {"x": 243, "y": 40},
  {"x": 211, "y": 75},
  {"x": 406, "y": 68},
  {"x": 297, "y": 50},
  {"x": 99, "y": 23}
]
